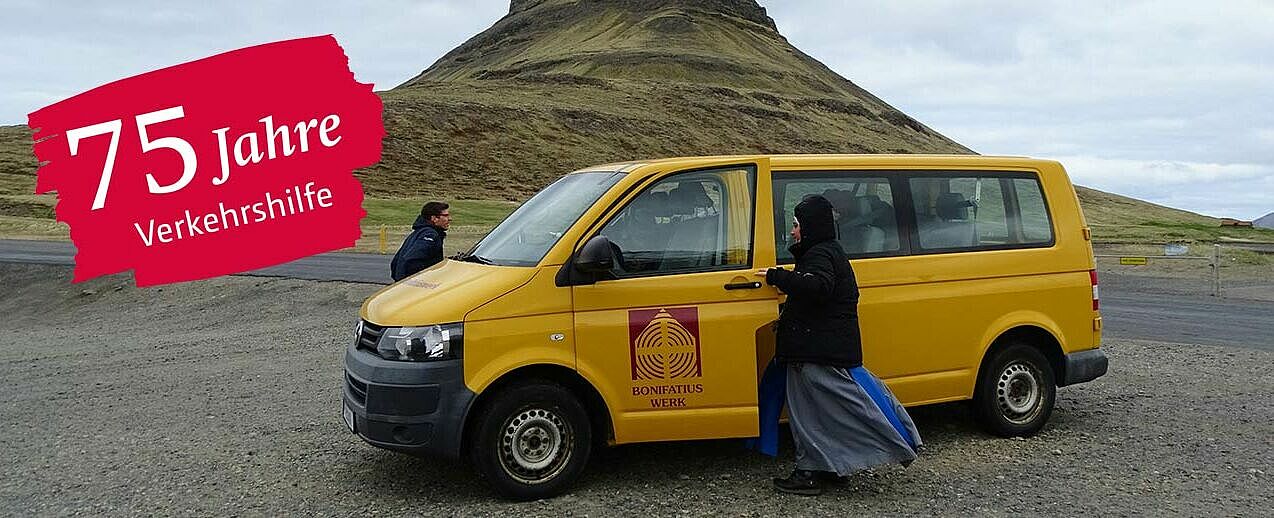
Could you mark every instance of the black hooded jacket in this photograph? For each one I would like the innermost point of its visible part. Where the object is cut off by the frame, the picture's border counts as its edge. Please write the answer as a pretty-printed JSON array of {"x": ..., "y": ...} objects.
[
  {"x": 421, "y": 249},
  {"x": 819, "y": 323}
]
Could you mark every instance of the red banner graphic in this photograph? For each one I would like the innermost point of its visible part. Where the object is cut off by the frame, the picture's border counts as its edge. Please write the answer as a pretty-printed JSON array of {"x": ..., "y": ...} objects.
[{"x": 226, "y": 164}]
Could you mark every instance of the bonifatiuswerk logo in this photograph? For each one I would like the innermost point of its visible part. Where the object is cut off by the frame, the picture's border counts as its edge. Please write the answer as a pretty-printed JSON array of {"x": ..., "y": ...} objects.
[{"x": 664, "y": 343}]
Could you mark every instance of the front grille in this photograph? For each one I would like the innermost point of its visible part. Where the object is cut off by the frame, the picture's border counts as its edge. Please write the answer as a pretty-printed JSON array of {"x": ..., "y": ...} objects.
[
  {"x": 357, "y": 389},
  {"x": 370, "y": 336}
]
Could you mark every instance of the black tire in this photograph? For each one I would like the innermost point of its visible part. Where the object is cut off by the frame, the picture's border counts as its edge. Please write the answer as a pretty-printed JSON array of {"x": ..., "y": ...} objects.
[
  {"x": 1015, "y": 392},
  {"x": 551, "y": 430}
]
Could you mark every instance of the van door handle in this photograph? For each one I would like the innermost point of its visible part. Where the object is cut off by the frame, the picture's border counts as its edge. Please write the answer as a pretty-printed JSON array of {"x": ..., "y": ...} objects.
[{"x": 743, "y": 286}]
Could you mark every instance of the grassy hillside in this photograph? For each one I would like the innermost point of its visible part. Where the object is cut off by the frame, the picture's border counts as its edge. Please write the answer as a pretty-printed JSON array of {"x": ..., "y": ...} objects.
[
  {"x": 505, "y": 139},
  {"x": 17, "y": 183},
  {"x": 17, "y": 163},
  {"x": 1116, "y": 218},
  {"x": 719, "y": 42}
]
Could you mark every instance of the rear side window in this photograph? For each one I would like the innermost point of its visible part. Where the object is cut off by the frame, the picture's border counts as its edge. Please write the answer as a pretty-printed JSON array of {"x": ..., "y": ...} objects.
[
  {"x": 1036, "y": 227},
  {"x": 866, "y": 224},
  {"x": 979, "y": 211}
]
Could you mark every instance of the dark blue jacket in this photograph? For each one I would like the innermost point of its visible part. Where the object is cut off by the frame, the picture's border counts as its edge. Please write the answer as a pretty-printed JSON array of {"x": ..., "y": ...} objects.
[{"x": 421, "y": 249}]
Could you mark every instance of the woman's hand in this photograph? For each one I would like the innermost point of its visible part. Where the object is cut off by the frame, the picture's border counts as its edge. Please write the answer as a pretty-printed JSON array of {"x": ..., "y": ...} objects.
[{"x": 765, "y": 274}]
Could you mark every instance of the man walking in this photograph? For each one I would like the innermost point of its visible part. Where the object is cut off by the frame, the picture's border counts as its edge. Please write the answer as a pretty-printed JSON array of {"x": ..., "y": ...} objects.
[{"x": 423, "y": 247}]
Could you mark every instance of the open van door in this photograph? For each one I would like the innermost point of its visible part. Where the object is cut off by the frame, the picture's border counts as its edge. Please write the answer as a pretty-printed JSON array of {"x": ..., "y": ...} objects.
[{"x": 667, "y": 324}]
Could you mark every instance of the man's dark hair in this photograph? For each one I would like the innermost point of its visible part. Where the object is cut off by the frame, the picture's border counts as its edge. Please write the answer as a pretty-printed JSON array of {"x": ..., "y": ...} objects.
[{"x": 433, "y": 208}]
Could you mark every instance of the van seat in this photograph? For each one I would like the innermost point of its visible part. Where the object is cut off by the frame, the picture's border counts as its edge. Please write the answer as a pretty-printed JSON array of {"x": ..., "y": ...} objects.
[
  {"x": 883, "y": 218},
  {"x": 857, "y": 234},
  {"x": 643, "y": 235},
  {"x": 952, "y": 228},
  {"x": 692, "y": 243}
]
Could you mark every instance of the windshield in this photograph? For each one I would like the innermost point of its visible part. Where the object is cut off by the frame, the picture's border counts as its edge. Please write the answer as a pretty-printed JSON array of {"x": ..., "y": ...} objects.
[{"x": 525, "y": 236}]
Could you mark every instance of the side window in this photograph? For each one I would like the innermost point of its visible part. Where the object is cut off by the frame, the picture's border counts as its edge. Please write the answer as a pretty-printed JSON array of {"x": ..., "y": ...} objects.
[
  {"x": 987, "y": 209},
  {"x": 864, "y": 206},
  {"x": 1036, "y": 226},
  {"x": 699, "y": 221},
  {"x": 983, "y": 211}
]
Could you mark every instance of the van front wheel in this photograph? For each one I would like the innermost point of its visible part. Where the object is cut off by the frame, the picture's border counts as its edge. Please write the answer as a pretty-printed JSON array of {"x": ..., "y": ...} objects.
[
  {"x": 532, "y": 440},
  {"x": 1015, "y": 392}
]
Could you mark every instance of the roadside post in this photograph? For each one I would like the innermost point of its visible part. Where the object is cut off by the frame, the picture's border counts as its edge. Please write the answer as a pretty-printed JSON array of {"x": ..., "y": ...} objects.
[
  {"x": 382, "y": 239},
  {"x": 1216, "y": 270}
]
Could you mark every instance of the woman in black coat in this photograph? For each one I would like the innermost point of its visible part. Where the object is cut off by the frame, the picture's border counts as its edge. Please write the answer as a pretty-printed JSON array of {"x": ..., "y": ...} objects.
[{"x": 843, "y": 419}]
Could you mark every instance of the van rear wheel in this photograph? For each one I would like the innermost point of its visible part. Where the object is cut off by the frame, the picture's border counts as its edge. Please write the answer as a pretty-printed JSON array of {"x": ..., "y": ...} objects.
[
  {"x": 1015, "y": 392},
  {"x": 532, "y": 440}
]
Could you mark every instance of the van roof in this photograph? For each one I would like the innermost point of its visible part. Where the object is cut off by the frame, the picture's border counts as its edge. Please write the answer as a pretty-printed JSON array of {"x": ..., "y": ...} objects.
[{"x": 817, "y": 160}]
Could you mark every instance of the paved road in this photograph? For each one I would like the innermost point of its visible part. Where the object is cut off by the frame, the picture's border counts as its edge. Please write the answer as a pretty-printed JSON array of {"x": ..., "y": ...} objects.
[
  {"x": 1127, "y": 314},
  {"x": 1189, "y": 319},
  {"x": 334, "y": 266}
]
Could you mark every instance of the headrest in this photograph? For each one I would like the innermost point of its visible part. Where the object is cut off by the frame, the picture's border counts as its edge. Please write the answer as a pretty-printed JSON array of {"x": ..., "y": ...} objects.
[
  {"x": 687, "y": 197},
  {"x": 953, "y": 206},
  {"x": 856, "y": 211},
  {"x": 652, "y": 204},
  {"x": 839, "y": 199}
]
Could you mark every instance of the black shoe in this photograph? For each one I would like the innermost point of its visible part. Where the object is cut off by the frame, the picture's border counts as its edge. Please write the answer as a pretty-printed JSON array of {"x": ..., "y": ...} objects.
[
  {"x": 800, "y": 482},
  {"x": 829, "y": 477}
]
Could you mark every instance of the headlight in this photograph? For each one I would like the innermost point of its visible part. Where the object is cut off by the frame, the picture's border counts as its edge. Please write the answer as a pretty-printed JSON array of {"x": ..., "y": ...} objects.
[{"x": 425, "y": 343}]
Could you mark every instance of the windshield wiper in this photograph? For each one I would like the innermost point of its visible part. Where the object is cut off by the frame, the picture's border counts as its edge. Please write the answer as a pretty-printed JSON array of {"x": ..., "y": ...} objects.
[{"x": 473, "y": 258}]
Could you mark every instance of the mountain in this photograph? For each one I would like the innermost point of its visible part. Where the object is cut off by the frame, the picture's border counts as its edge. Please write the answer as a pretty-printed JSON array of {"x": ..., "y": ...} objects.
[
  {"x": 1266, "y": 221},
  {"x": 556, "y": 85},
  {"x": 560, "y": 84}
]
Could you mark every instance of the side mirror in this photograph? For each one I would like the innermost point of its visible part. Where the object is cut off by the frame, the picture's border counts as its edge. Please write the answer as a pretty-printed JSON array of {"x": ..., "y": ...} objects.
[{"x": 595, "y": 256}]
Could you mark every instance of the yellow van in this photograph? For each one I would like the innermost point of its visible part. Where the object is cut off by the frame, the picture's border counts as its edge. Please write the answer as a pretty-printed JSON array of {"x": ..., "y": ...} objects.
[{"x": 618, "y": 305}]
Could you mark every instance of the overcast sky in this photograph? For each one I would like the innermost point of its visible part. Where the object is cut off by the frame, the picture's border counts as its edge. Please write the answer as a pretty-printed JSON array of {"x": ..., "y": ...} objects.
[{"x": 1167, "y": 101}]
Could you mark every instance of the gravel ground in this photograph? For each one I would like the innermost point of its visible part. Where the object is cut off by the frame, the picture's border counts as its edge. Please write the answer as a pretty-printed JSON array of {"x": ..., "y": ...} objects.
[{"x": 221, "y": 397}]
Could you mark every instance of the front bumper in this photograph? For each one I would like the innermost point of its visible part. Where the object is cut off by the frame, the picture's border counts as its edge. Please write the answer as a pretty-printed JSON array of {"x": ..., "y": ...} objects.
[
  {"x": 411, "y": 407},
  {"x": 1083, "y": 366}
]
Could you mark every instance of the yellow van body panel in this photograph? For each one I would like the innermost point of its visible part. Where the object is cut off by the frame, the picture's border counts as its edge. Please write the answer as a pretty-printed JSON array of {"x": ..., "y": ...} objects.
[
  {"x": 441, "y": 294},
  {"x": 720, "y": 398},
  {"x": 530, "y": 325}
]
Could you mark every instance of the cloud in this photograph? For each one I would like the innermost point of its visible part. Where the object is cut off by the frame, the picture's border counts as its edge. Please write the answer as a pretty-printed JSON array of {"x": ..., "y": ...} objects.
[
  {"x": 1159, "y": 100},
  {"x": 1123, "y": 173},
  {"x": 1231, "y": 190},
  {"x": 62, "y": 48}
]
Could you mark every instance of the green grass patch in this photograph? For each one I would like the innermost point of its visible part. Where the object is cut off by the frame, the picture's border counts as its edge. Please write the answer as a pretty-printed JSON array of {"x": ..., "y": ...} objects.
[
  {"x": 1248, "y": 257},
  {"x": 467, "y": 213},
  {"x": 1171, "y": 232}
]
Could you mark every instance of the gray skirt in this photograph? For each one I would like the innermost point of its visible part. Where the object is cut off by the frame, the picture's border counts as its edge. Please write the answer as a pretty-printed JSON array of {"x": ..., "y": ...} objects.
[{"x": 837, "y": 425}]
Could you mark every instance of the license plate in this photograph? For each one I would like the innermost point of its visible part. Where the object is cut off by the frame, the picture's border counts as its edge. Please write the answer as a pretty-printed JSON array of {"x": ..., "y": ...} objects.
[{"x": 348, "y": 414}]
